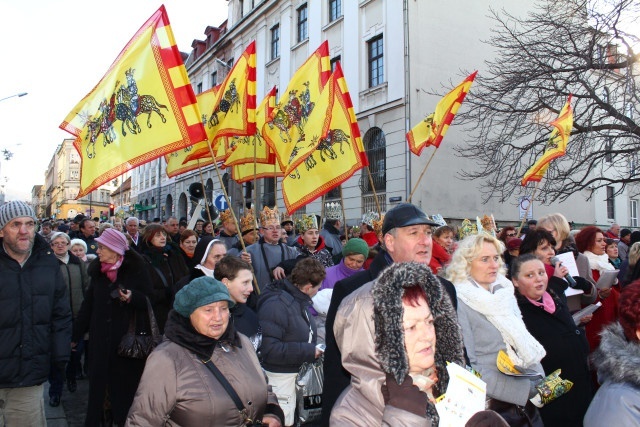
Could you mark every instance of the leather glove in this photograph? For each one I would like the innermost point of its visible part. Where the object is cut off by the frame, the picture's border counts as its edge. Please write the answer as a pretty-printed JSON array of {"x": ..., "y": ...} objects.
[
  {"x": 405, "y": 396},
  {"x": 582, "y": 284},
  {"x": 550, "y": 388}
]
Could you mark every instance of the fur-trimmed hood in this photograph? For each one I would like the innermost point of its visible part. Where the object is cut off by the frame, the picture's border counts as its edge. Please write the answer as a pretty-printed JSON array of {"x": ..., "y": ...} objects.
[
  {"x": 617, "y": 359},
  {"x": 388, "y": 312}
]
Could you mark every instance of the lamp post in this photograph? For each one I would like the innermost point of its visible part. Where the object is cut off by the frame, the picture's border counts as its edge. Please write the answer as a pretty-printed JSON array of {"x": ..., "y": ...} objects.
[{"x": 19, "y": 95}]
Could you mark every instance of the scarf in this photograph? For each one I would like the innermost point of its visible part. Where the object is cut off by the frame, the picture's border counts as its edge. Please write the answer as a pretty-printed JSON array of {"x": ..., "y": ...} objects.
[
  {"x": 547, "y": 303},
  {"x": 64, "y": 258},
  {"x": 180, "y": 330},
  {"x": 501, "y": 310},
  {"x": 111, "y": 270},
  {"x": 205, "y": 270},
  {"x": 598, "y": 262}
]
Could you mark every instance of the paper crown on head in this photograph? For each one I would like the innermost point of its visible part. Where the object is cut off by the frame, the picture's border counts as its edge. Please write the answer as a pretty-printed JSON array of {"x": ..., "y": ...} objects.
[
  {"x": 377, "y": 224},
  {"x": 306, "y": 222},
  {"x": 284, "y": 217},
  {"x": 486, "y": 224},
  {"x": 333, "y": 210},
  {"x": 439, "y": 219},
  {"x": 269, "y": 214},
  {"x": 248, "y": 221},
  {"x": 226, "y": 215},
  {"x": 369, "y": 217},
  {"x": 467, "y": 228}
]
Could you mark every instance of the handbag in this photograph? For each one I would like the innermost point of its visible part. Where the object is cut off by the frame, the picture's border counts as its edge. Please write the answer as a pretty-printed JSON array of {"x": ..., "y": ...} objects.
[
  {"x": 309, "y": 383},
  {"x": 516, "y": 415},
  {"x": 232, "y": 393},
  {"x": 139, "y": 344}
]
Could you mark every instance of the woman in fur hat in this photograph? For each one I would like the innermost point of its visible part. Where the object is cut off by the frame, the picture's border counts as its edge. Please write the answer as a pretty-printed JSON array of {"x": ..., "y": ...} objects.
[{"x": 398, "y": 372}]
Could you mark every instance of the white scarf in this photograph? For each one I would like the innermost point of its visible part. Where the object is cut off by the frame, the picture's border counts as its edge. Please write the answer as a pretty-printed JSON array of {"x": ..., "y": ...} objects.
[
  {"x": 598, "y": 262},
  {"x": 205, "y": 270},
  {"x": 501, "y": 310}
]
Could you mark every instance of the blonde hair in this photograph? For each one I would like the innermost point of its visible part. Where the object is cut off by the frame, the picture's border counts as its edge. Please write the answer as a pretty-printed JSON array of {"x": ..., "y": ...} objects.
[
  {"x": 558, "y": 222},
  {"x": 469, "y": 249},
  {"x": 634, "y": 254}
]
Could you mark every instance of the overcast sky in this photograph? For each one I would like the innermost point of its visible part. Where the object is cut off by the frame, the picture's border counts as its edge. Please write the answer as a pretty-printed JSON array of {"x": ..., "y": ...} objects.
[{"x": 57, "y": 51}]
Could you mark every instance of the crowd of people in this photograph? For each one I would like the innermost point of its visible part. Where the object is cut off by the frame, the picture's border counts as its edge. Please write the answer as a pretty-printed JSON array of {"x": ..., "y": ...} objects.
[{"x": 211, "y": 326}]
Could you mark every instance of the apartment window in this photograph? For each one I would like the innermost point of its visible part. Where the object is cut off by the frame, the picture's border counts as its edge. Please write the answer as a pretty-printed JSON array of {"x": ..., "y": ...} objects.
[
  {"x": 199, "y": 88},
  {"x": 335, "y": 10},
  {"x": 214, "y": 79},
  {"x": 303, "y": 32},
  {"x": 268, "y": 192},
  {"x": 376, "y": 56},
  {"x": 334, "y": 61},
  {"x": 633, "y": 212},
  {"x": 611, "y": 209},
  {"x": 275, "y": 42}
]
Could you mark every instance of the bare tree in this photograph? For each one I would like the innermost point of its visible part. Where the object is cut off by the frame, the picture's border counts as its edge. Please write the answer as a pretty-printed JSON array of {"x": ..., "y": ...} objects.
[{"x": 562, "y": 47}]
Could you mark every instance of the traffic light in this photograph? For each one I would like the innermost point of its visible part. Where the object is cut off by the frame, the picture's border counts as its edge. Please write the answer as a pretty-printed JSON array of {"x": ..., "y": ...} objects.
[{"x": 111, "y": 210}]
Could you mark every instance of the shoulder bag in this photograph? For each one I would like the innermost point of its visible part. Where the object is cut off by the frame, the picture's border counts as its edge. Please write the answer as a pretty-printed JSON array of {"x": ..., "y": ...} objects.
[{"x": 139, "y": 344}]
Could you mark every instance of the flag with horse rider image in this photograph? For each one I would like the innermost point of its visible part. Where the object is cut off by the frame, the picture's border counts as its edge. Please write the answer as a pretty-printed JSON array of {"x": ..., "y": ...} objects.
[{"x": 142, "y": 108}]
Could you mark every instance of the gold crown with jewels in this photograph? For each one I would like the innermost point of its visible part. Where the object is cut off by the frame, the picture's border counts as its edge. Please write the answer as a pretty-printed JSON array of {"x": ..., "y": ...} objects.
[
  {"x": 269, "y": 214},
  {"x": 306, "y": 222}
]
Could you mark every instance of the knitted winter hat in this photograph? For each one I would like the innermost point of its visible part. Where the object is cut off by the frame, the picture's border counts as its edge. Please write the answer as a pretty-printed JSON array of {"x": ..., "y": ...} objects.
[
  {"x": 15, "y": 209},
  {"x": 199, "y": 292},
  {"x": 114, "y": 240},
  {"x": 356, "y": 246}
]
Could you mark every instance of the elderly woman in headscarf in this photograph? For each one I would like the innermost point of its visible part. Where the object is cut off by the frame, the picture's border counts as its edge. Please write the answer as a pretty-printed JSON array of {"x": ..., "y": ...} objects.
[
  {"x": 180, "y": 385},
  {"x": 396, "y": 335},
  {"x": 119, "y": 288}
]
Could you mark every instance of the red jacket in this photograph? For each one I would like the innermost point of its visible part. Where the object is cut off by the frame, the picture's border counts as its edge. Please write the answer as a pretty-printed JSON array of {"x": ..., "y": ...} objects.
[{"x": 440, "y": 258}]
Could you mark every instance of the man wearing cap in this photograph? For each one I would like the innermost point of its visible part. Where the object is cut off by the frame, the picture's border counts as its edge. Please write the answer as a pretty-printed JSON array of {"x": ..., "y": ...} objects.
[
  {"x": 623, "y": 244},
  {"x": 229, "y": 230},
  {"x": 74, "y": 226},
  {"x": 35, "y": 319},
  {"x": 287, "y": 226},
  {"x": 406, "y": 236}
]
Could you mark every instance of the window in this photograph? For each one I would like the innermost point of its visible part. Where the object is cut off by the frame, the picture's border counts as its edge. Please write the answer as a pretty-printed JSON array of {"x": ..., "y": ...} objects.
[
  {"x": 268, "y": 192},
  {"x": 376, "y": 56},
  {"x": 334, "y": 61},
  {"x": 633, "y": 212},
  {"x": 375, "y": 146},
  {"x": 608, "y": 154},
  {"x": 199, "y": 88},
  {"x": 214, "y": 79},
  {"x": 605, "y": 94},
  {"x": 335, "y": 10},
  {"x": 302, "y": 23},
  {"x": 275, "y": 42},
  {"x": 611, "y": 209}
]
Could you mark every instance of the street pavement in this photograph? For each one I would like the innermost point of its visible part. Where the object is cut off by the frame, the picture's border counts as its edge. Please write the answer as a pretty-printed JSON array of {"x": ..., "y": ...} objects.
[{"x": 72, "y": 409}]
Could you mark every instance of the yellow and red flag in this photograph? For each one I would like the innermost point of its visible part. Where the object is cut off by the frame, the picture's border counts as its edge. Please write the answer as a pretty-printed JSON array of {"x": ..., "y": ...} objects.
[
  {"x": 432, "y": 129},
  {"x": 301, "y": 111},
  {"x": 249, "y": 149},
  {"x": 246, "y": 171},
  {"x": 556, "y": 144},
  {"x": 141, "y": 109},
  {"x": 337, "y": 156}
]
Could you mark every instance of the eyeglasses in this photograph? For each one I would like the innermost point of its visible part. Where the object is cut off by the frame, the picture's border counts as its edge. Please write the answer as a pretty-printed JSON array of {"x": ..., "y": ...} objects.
[{"x": 276, "y": 228}]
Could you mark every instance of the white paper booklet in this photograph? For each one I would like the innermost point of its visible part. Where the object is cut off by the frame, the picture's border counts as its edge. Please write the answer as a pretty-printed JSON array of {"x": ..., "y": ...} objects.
[{"x": 466, "y": 395}]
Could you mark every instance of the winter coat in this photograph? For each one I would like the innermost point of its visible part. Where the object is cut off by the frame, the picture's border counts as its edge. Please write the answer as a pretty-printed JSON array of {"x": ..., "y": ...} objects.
[
  {"x": 245, "y": 321},
  {"x": 107, "y": 320},
  {"x": 169, "y": 263},
  {"x": 440, "y": 258},
  {"x": 229, "y": 241},
  {"x": 370, "y": 334},
  {"x": 76, "y": 278},
  {"x": 177, "y": 389},
  {"x": 337, "y": 273},
  {"x": 567, "y": 349},
  {"x": 321, "y": 253},
  {"x": 275, "y": 254},
  {"x": 335, "y": 375},
  {"x": 35, "y": 319},
  {"x": 617, "y": 402},
  {"x": 331, "y": 236},
  {"x": 288, "y": 328},
  {"x": 603, "y": 316}
]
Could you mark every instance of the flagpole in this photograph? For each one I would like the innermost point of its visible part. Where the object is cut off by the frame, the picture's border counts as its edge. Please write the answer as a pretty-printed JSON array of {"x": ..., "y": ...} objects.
[
  {"x": 322, "y": 207},
  {"x": 526, "y": 212},
  {"x": 233, "y": 214},
  {"x": 255, "y": 175},
  {"x": 204, "y": 193},
  {"x": 373, "y": 187},
  {"x": 421, "y": 175},
  {"x": 344, "y": 217}
]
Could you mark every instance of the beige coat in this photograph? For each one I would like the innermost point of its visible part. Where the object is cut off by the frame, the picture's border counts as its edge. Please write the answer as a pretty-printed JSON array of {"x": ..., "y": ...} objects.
[
  {"x": 361, "y": 403},
  {"x": 177, "y": 389}
]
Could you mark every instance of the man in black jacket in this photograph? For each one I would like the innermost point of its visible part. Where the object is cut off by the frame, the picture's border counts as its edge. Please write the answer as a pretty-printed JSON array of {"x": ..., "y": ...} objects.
[
  {"x": 35, "y": 320},
  {"x": 406, "y": 234}
]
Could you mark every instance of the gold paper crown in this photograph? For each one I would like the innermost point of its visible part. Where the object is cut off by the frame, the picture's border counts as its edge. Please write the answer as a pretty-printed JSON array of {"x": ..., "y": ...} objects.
[
  {"x": 268, "y": 214},
  {"x": 467, "y": 229},
  {"x": 333, "y": 210},
  {"x": 285, "y": 218},
  {"x": 369, "y": 217},
  {"x": 225, "y": 215},
  {"x": 306, "y": 222},
  {"x": 248, "y": 221},
  {"x": 377, "y": 224}
]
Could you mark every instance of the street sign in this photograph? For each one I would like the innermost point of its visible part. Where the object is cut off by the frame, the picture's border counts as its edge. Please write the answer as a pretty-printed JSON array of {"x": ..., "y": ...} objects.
[
  {"x": 220, "y": 202},
  {"x": 524, "y": 202}
]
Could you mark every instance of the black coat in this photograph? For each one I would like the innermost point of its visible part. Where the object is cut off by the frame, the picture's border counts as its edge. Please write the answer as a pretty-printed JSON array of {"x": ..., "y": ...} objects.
[
  {"x": 336, "y": 378},
  {"x": 567, "y": 349},
  {"x": 107, "y": 320},
  {"x": 283, "y": 313},
  {"x": 35, "y": 317}
]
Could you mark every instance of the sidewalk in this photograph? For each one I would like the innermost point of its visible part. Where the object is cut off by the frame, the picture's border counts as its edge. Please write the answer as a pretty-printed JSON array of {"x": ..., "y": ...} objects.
[{"x": 72, "y": 409}]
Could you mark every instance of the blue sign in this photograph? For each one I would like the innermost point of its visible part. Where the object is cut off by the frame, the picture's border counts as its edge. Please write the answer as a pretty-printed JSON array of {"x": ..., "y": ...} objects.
[{"x": 220, "y": 202}]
